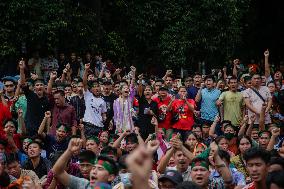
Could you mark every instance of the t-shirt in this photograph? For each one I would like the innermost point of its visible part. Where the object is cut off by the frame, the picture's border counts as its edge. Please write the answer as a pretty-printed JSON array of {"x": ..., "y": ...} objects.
[
  {"x": 95, "y": 107},
  {"x": 233, "y": 103},
  {"x": 209, "y": 108},
  {"x": 250, "y": 186},
  {"x": 186, "y": 119},
  {"x": 162, "y": 109},
  {"x": 78, "y": 183},
  {"x": 256, "y": 101},
  {"x": 52, "y": 145}
]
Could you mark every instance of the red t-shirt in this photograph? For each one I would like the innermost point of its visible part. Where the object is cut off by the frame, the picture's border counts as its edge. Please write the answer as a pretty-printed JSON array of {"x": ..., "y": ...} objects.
[
  {"x": 17, "y": 141},
  {"x": 250, "y": 186},
  {"x": 186, "y": 119},
  {"x": 4, "y": 115},
  {"x": 162, "y": 105}
]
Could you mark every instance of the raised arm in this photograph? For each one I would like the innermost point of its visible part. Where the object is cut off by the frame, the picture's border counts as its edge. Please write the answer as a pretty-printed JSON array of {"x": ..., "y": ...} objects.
[
  {"x": 213, "y": 127},
  {"x": 118, "y": 141},
  {"x": 262, "y": 117},
  {"x": 168, "y": 73},
  {"x": 44, "y": 124},
  {"x": 243, "y": 125},
  {"x": 199, "y": 95},
  {"x": 266, "y": 64},
  {"x": 52, "y": 78},
  {"x": 165, "y": 160},
  {"x": 85, "y": 76},
  {"x": 58, "y": 169},
  {"x": 22, "y": 72},
  {"x": 133, "y": 79},
  {"x": 272, "y": 141},
  {"x": 235, "y": 69},
  {"x": 252, "y": 120},
  {"x": 21, "y": 122}
]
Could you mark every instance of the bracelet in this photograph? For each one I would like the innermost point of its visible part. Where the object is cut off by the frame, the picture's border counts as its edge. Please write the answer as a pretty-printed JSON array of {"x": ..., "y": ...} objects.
[{"x": 220, "y": 166}]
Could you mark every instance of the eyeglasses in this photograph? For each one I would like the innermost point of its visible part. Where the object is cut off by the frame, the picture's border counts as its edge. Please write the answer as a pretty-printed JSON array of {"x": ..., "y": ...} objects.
[{"x": 11, "y": 85}]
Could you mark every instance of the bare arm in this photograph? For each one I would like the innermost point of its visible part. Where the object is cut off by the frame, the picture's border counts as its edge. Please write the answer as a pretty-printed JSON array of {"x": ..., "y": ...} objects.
[
  {"x": 118, "y": 141},
  {"x": 243, "y": 126},
  {"x": 250, "y": 107},
  {"x": 58, "y": 169},
  {"x": 198, "y": 96},
  {"x": 252, "y": 119},
  {"x": 44, "y": 124},
  {"x": 266, "y": 64},
  {"x": 22, "y": 72},
  {"x": 165, "y": 160},
  {"x": 21, "y": 122},
  {"x": 53, "y": 76},
  {"x": 85, "y": 76},
  {"x": 213, "y": 127},
  {"x": 272, "y": 141}
]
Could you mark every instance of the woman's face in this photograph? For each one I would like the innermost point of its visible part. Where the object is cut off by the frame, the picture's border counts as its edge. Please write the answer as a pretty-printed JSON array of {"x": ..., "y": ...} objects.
[
  {"x": 244, "y": 145},
  {"x": 191, "y": 141},
  {"x": 148, "y": 92},
  {"x": 104, "y": 137},
  {"x": 223, "y": 144}
]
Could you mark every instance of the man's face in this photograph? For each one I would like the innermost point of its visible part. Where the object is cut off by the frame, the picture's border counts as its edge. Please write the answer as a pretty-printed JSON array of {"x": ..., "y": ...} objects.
[
  {"x": 73, "y": 56},
  {"x": 130, "y": 146},
  {"x": 188, "y": 82},
  {"x": 264, "y": 140},
  {"x": 166, "y": 184},
  {"x": 61, "y": 56},
  {"x": 85, "y": 169},
  {"x": 104, "y": 137},
  {"x": 14, "y": 169},
  {"x": 9, "y": 86},
  {"x": 125, "y": 91},
  {"x": 200, "y": 176},
  {"x": 163, "y": 94},
  {"x": 80, "y": 88},
  {"x": 116, "y": 89},
  {"x": 157, "y": 86},
  {"x": 92, "y": 146},
  {"x": 257, "y": 169},
  {"x": 34, "y": 150},
  {"x": 181, "y": 160},
  {"x": 256, "y": 80},
  {"x": 209, "y": 83},
  {"x": 61, "y": 133},
  {"x": 271, "y": 87},
  {"x": 59, "y": 100},
  {"x": 277, "y": 75},
  {"x": 197, "y": 131},
  {"x": 254, "y": 135},
  {"x": 39, "y": 88},
  {"x": 107, "y": 89},
  {"x": 205, "y": 130},
  {"x": 182, "y": 92},
  {"x": 197, "y": 79},
  {"x": 68, "y": 91},
  {"x": 169, "y": 81},
  {"x": 99, "y": 174},
  {"x": 91, "y": 77},
  {"x": 233, "y": 84},
  {"x": 96, "y": 89},
  {"x": 248, "y": 84}
]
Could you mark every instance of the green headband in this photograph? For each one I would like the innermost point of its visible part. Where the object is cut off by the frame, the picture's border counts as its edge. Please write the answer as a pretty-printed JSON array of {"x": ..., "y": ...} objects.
[
  {"x": 106, "y": 165},
  {"x": 200, "y": 163}
]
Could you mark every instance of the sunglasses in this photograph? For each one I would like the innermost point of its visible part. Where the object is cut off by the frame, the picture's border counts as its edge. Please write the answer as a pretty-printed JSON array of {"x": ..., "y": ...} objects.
[{"x": 11, "y": 85}]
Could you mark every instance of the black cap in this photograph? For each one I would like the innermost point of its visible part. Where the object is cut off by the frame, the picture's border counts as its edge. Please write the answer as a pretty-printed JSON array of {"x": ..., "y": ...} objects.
[{"x": 173, "y": 176}]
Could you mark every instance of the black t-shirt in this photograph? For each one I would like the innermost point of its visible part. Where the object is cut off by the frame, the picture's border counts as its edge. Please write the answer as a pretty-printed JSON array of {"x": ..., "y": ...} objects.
[
  {"x": 52, "y": 145},
  {"x": 36, "y": 107}
]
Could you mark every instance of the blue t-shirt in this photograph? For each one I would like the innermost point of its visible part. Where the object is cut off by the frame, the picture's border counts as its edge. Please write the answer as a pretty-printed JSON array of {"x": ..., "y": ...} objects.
[
  {"x": 209, "y": 109},
  {"x": 191, "y": 94}
]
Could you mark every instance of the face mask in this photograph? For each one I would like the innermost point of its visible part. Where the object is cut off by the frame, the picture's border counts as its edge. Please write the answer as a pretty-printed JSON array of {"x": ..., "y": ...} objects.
[
  {"x": 125, "y": 179},
  {"x": 229, "y": 136}
]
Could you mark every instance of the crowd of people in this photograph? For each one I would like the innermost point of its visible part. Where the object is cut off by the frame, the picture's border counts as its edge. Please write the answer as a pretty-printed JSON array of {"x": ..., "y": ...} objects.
[{"x": 86, "y": 123}]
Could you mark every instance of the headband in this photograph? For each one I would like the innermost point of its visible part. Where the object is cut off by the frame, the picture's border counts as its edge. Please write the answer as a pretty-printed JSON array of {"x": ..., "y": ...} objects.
[
  {"x": 200, "y": 163},
  {"x": 106, "y": 165},
  {"x": 91, "y": 161}
]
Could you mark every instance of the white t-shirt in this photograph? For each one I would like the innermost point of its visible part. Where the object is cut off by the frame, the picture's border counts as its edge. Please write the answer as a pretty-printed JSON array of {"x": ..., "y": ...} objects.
[{"x": 95, "y": 107}]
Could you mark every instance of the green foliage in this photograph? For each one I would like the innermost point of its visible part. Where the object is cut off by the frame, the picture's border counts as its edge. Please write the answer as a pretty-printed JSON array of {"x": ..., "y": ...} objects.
[{"x": 165, "y": 32}]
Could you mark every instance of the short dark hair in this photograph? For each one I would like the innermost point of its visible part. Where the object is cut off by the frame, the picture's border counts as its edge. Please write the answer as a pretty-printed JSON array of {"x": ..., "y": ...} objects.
[
  {"x": 232, "y": 78},
  {"x": 109, "y": 150},
  {"x": 187, "y": 184},
  {"x": 15, "y": 123},
  {"x": 60, "y": 92},
  {"x": 277, "y": 161},
  {"x": 197, "y": 126},
  {"x": 87, "y": 155},
  {"x": 210, "y": 77},
  {"x": 224, "y": 155},
  {"x": 36, "y": 142},
  {"x": 276, "y": 178},
  {"x": 11, "y": 158},
  {"x": 257, "y": 152},
  {"x": 132, "y": 137},
  {"x": 64, "y": 125}
]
